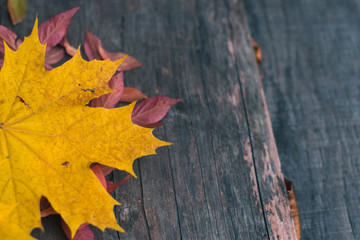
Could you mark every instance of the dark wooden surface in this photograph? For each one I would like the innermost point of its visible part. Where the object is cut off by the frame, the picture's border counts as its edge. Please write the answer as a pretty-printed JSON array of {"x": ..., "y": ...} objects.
[
  {"x": 311, "y": 79},
  {"x": 221, "y": 179}
]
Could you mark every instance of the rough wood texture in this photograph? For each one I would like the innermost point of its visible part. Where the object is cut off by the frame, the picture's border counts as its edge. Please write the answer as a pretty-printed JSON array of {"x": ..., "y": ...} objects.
[
  {"x": 311, "y": 80},
  {"x": 222, "y": 178}
]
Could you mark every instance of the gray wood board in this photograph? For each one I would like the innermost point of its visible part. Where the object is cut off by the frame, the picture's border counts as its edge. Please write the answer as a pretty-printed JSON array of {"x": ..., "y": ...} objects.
[
  {"x": 311, "y": 81},
  {"x": 223, "y": 170}
]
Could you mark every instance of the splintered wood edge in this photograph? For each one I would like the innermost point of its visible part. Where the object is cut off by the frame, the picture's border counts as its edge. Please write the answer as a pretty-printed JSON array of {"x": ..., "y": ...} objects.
[
  {"x": 280, "y": 212},
  {"x": 274, "y": 199}
]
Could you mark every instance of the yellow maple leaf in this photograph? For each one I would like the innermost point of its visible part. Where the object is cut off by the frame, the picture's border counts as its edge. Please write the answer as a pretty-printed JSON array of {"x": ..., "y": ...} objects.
[{"x": 49, "y": 138}]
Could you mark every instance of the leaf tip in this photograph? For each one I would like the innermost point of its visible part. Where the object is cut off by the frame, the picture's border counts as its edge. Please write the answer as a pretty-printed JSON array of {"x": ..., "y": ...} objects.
[
  {"x": 35, "y": 33},
  {"x": 120, "y": 61},
  {"x": 131, "y": 106},
  {"x": 75, "y": 9},
  {"x": 36, "y": 26},
  {"x": 7, "y": 49},
  {"x": 77, "y": 54},
  {"x": 119, "y": 229},
  {"x": 164, "y": 144}
]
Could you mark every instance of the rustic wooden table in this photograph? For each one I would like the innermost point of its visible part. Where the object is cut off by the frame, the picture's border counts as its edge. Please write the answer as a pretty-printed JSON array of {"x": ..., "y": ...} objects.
[
  {"x": 222, "y": 179},
  {"x": 311, "y": 79}
]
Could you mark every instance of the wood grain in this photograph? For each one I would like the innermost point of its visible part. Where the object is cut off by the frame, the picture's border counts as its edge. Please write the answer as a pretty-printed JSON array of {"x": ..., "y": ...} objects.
[
  {"x": 311, "y": 81},
  {"x": 187, "y": 60},
  {"x": 222, "y": 177}
]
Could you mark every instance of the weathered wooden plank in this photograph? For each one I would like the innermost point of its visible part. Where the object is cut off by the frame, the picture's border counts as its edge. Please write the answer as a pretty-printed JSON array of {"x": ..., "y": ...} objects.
[
  {"x": 268, "y": 168},
  {"x": 209, "y": 74},
  {"x": 311, "y": 80},
  {"x": 185, "y": 54}
]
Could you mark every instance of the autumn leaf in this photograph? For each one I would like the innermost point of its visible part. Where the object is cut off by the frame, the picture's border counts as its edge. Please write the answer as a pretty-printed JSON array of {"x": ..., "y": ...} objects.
[
  {"x": 131, "y": 95},
  {"x": 49, "y": 137},
  {"x": 152, "y": 110},
  {"x": 10, "y": 230},
  {"x": 17, "y": 10},
  {"x": 94, "y": 50},
  {"x": 54, "y": 30}
]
